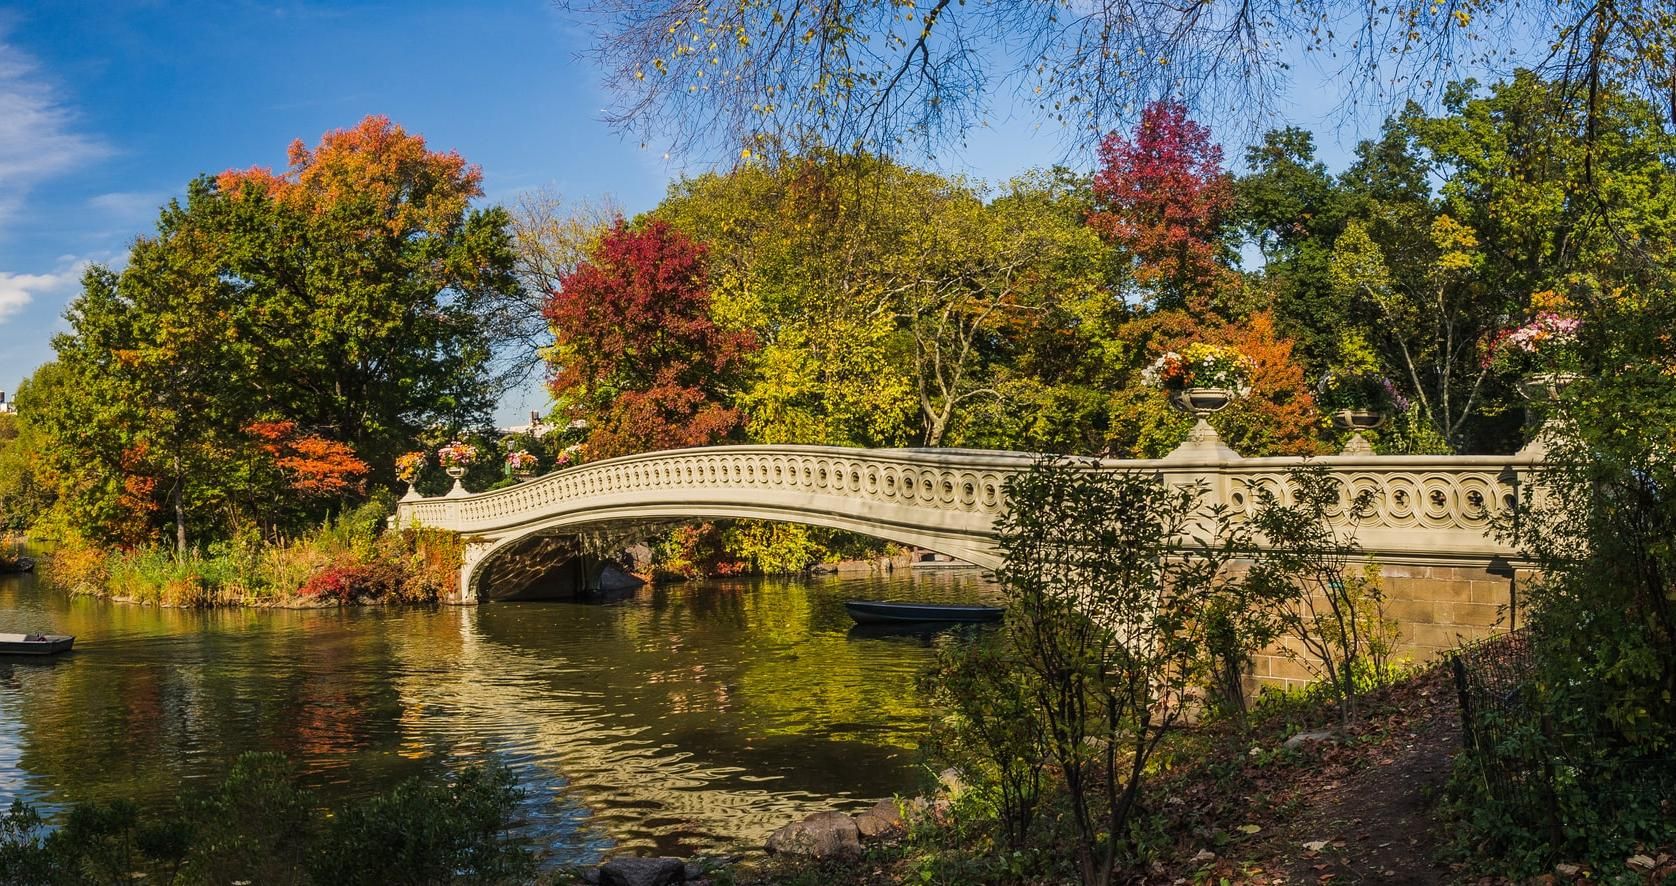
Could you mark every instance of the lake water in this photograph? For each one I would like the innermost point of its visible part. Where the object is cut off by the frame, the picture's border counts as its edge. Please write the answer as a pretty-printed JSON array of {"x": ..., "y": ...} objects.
[{"x": 684, "y": 719}]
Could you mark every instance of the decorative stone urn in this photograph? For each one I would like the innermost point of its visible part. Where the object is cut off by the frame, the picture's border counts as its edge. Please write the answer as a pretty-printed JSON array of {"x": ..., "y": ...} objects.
[
  {"x": 1204, "y": 401},
  {"x": 1545, "y": 387},
  {"x": 1202, "y": 442},
  {"x": 1358, "y": 420},
  {"x": 1541, "y": 390},
  {"x": 457, "y": 472},
  {"x": 523, "y": 475}
]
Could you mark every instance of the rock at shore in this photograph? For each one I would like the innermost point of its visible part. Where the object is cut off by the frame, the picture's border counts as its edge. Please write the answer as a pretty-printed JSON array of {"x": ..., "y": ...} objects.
[
  {"x": 642, "y": 871},
  {"x": 821, "y": 835},
  {"x": 882, "y": 820}
]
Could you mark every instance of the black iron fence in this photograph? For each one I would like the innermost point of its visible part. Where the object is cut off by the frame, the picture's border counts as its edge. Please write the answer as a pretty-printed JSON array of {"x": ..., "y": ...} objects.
[
  {"x": 1510, "y": 742},
  {"x": 1546, "y": 757}
]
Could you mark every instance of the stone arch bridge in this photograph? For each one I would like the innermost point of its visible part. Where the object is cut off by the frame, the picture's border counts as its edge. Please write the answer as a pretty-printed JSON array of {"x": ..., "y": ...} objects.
[{"x": 1429, "y": 526}]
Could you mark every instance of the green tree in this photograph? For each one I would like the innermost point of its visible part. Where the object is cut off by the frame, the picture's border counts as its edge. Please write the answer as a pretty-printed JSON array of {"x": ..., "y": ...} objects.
[
  {"x": 893, "y": 304},
  {"x": 343, "y": 295}
]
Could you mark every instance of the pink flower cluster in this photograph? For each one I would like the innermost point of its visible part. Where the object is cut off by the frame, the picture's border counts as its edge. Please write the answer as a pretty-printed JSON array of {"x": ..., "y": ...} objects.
[
  {"x": 1548, "y": 330},
  {"x": 519, "y": 460},
  {"x": 457, "y": 455}
]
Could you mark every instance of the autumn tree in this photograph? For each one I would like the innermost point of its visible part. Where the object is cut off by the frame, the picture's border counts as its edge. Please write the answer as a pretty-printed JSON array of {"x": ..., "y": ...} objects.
[
  {"x": 638, "y": 355},
  {"x": 1164, "y": 199},
  {"x": 891, "y": 302},
  {"x": 344, "y": 296},
  {"x": 290, "y": 465},
  {"x": 371, "y": 282},
  {"x": 795, "y": 252}
]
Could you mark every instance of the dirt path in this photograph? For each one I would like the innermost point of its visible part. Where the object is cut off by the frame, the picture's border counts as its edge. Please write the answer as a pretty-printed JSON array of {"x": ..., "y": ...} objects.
[
  {"x": 1350, "y": 809},
  {"x": 1379, "y": 821}
]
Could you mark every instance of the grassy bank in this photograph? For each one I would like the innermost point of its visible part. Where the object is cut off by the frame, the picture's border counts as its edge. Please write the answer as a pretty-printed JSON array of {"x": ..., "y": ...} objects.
[
  {"x": 1233, "y": 801},
  {"x": 349, "y": 559},
  {"x": 1286, "y": 796}
]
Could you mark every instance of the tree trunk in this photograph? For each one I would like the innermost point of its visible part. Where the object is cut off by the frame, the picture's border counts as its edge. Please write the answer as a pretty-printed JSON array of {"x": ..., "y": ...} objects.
[{"x": 180, "y": 513}]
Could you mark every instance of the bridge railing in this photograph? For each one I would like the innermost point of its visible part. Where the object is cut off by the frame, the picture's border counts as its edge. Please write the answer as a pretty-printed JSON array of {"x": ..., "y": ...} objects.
[{"x": 1427, "y": 509}]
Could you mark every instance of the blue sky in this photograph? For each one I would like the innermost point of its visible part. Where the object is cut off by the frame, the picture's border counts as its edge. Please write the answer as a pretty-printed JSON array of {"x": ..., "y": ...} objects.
[{"x": 107, "y": 109}]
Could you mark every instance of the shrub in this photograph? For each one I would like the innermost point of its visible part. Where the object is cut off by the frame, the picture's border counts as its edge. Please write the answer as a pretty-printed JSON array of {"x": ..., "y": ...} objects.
[
  {"x": 1106, "y": 574},
  {"x": 423, "y": 832},
  {"x": 989, "y": 729},
  {"x": 1335, "y": 614},
  {"x": 257, "y": 826},
  {"x": 1593, "y": 734},
  {"x": 354, "y": 582}
]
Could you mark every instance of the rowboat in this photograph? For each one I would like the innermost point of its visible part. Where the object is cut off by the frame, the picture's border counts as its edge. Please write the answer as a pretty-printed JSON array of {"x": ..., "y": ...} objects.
[
  {"x": 21, "y": 564},
  {"x": 870, "y": 612},
  {"x": 34, "y": 644}
]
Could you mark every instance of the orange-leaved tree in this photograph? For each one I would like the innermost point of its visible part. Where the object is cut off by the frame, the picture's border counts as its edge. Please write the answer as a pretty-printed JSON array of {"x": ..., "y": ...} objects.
[
  {"x": 312, "y": 465},
  {"x": 1279, "y": 417}
]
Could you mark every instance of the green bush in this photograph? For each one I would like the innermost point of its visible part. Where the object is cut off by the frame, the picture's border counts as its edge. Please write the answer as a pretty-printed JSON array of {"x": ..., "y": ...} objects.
[
  {"x": 257, "y": 826},
  {"x": 1588, "y": 730},
  {"x": 425, "y": 833}
]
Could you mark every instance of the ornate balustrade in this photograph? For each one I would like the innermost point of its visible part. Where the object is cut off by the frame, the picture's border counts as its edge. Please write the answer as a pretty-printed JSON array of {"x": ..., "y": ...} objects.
[{"x": 1434, "y": 510}]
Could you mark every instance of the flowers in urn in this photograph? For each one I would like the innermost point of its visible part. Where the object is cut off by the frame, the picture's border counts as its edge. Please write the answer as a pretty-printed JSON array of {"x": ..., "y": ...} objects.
[
  {"x": 409, "y": 465},
  {"x": 1359, "y": 399},
  {"x": 456, "y": 457},
  {"x": 1548, "y": 343},
  {"x": 1545, "y": 352},
  {"x": 1201, "y": 365},
  {"x": 521, "y": 464},
  {"x": 1201, "y": 377},
  {"x": 568, "y": 456}
]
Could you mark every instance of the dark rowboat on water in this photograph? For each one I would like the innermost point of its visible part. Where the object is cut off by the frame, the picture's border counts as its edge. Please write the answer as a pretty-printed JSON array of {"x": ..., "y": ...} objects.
[
  {"x": 34, "y": 644},
  {"x": 21, "y": 564},
  {"x": 869, "y": 612}
]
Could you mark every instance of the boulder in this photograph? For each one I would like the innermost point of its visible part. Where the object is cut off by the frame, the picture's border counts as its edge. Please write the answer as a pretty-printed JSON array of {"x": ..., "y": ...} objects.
[
  {"x": 632, "y": 871},
  {"x": 880, "y": 821},
  {"x": 1303, "y": 738},
  {"x": 613, "y": 578},
  {"x": 951, "y": 783},
  {"x": 821, "y": 835},
  {"x": 692, "y": 870}
]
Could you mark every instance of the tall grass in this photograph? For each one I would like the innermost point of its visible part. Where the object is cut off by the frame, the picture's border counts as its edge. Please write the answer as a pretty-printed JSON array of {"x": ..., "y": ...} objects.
[{"x": 350, "y": 558}]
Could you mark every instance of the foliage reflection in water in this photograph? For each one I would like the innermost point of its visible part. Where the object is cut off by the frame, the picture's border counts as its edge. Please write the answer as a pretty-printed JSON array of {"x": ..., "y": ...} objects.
[{"x": 682, "y": 719}]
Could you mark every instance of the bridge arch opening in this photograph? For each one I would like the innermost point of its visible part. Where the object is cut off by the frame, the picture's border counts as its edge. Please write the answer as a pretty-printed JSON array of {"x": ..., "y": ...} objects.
[{"x": 562, "y": 557}]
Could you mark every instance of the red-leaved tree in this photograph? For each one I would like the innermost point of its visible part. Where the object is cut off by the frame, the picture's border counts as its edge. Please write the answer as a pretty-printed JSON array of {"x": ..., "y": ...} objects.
[
  {"x": 1164, "y": 197},
  {"x": 637, "y": 354}
]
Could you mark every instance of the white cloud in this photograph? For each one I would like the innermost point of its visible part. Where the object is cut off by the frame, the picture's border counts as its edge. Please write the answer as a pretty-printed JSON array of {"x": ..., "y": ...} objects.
[
  {"x": 127, "y": 208},
  {"x": 18, "y": 290},
  {"x": 37, "y": 137}
]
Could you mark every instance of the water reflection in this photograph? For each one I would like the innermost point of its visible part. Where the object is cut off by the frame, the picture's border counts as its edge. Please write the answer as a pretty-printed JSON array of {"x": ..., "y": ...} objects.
[{"x": 682, "y": 719}]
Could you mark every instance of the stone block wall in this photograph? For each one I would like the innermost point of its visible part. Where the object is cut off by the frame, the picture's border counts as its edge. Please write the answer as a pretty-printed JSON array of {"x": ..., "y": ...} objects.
[{"x": 1437, "y": 608}]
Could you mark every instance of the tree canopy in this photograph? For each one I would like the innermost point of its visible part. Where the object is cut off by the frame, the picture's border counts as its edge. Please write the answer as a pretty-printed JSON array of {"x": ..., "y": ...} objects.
[{"x": 280, "y": 331}]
